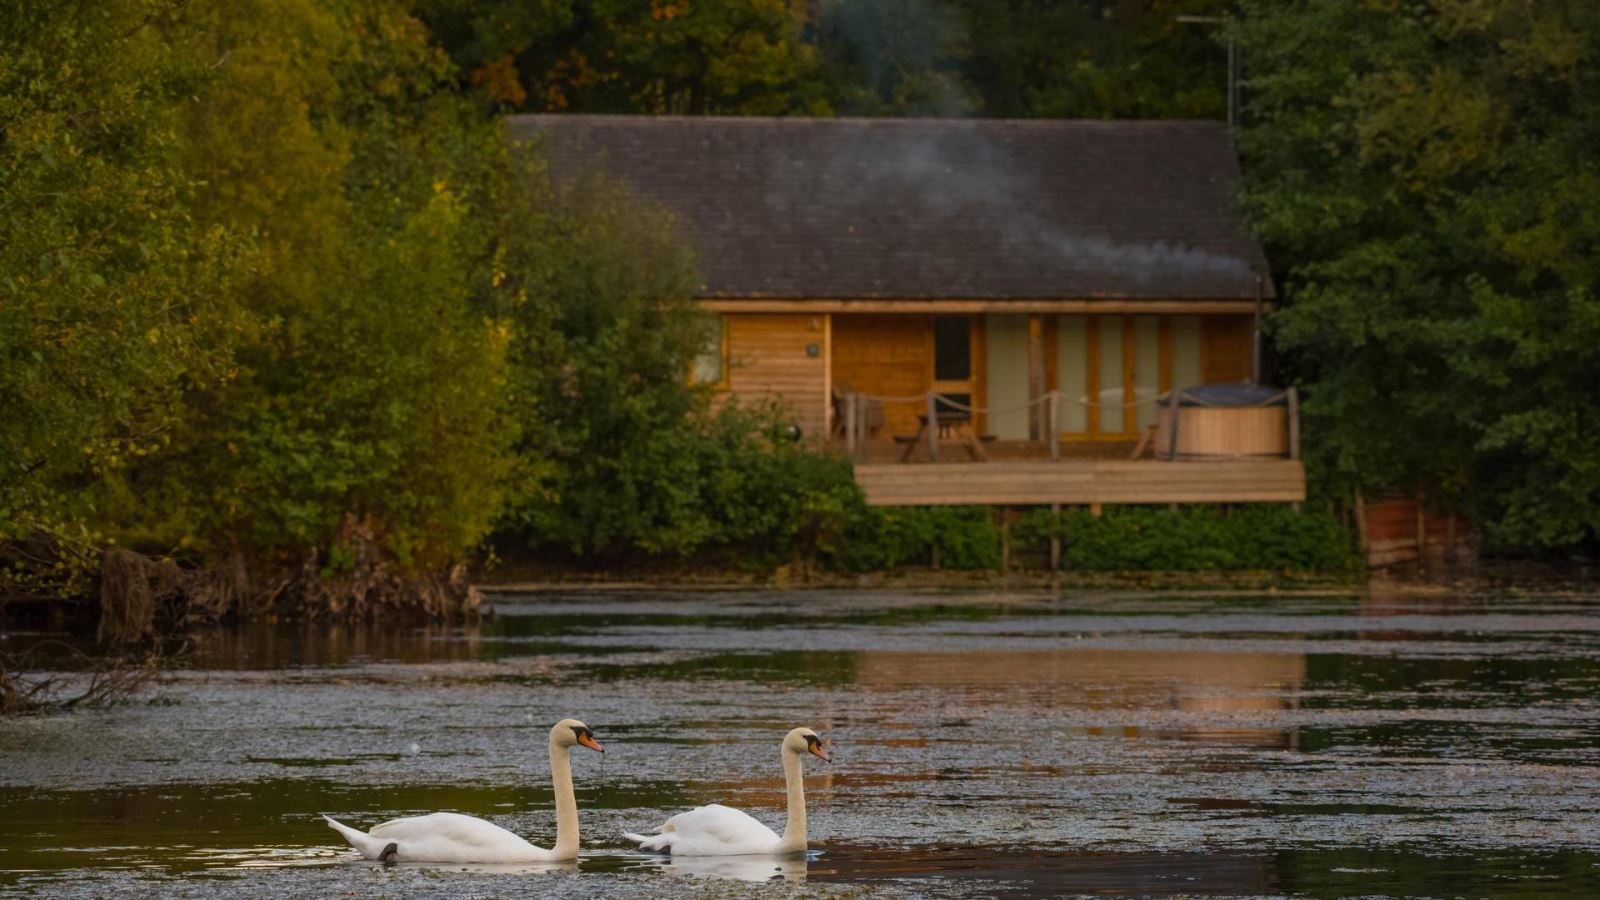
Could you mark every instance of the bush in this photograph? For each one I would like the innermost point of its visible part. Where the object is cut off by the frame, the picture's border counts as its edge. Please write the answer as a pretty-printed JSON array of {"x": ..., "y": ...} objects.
[
  {"x": 729, "y": 482},
  {"x": 879, "y": 538},
  {"x": 1257, "y": 536}
]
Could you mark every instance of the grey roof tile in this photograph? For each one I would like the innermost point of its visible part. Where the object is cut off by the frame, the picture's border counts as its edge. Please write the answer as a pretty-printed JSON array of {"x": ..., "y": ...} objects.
[{"x": 933, "y": 208}]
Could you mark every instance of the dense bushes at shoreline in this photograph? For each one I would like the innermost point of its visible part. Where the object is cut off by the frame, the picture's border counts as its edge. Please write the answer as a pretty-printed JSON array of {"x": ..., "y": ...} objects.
[{"x": 1122, "y": 539}]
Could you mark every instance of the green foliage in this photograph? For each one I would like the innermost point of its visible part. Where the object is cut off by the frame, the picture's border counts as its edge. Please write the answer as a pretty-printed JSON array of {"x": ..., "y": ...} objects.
[
  {"x": 1425, "y": 175},
  {"x": 730, "y": 483},
  {"x": 372, "y": 389},
  {"x": 1096, "y": 60},
  {"x": 880, "y": 538},
  {"x": 1258, "y": 536},
  {"x": 894, "y": 57},
  {"x": 1021, "y": 59},
  {"x": 695, "y": 57},
  {"x": 114, "y": 299},
  {"x": 1001, "y": 58}
]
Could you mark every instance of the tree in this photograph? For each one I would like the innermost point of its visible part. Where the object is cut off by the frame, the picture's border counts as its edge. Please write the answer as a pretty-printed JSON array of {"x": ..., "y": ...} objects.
[
  {"x": 895, "y": 57},
  {"x": 1092, "y": 60},
  {"x": 372, "y": 391},
  {"x": 695, "y": 57},
  {"x": 114, "y": 298},
  {"x": 1425, "y": 178}
]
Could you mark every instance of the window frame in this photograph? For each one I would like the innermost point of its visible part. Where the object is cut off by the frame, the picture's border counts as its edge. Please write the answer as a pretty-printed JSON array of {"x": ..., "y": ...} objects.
[
  {"x": 1129, "y": 363},
  {"x": 722, "y": 382}
]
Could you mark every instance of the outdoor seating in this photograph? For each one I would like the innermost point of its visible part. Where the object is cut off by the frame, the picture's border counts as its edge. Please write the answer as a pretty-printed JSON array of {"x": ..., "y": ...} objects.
[
  {"x": 871, "y": 413},
  {"x": 954, "y": 426}
]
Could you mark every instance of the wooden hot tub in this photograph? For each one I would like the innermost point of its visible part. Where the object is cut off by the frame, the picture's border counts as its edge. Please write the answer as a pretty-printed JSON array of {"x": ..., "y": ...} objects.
[{"x": 1227, "y": 421}]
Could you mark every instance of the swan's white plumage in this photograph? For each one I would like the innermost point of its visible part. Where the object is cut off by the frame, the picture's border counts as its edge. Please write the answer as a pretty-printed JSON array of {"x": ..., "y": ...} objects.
[
  {"x": 713, "y": 830},
  {"x": 717, "y": 830},
  {"x": 455, "y": 838},
  {"x": 444, "y": 838}
]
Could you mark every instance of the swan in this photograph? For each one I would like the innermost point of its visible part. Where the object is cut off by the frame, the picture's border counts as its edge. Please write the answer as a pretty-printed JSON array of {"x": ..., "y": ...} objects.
[
  {"x": 717, "y": 830},
  {"x": 455, "y": 838}
]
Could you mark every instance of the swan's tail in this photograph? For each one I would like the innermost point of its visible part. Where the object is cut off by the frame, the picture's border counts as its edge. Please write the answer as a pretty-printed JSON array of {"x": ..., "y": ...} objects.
[
  {"x": 654, "y": 843},
  {"x": 369, "y": 846}
]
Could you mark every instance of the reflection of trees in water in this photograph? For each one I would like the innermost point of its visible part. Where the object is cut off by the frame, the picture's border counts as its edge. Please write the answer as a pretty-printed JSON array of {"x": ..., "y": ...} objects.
[
  {"x": 1366, "y": 871},
  {"x": 820, "y": 668},
  {"x": 267, "y": 645},
  {"x": 169, "y": 819},
  {"x": 1052, "y": 873}
]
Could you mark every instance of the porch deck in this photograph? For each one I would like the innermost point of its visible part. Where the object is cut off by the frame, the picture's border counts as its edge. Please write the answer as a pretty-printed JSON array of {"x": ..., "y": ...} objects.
[{"x": 1083, "y": 482}]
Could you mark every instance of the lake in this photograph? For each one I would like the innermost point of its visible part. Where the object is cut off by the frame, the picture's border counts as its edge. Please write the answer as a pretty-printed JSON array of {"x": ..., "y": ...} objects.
[{"x": 1018, "y": 743}]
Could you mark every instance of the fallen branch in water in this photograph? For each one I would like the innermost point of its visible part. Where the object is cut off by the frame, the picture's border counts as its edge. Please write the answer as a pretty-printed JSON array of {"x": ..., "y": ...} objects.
[{"x": 92, "y": 682}]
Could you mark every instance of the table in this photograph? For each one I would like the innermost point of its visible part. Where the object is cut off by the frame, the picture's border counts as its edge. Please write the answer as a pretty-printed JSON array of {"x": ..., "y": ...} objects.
[{"x": 953, "y": 426}]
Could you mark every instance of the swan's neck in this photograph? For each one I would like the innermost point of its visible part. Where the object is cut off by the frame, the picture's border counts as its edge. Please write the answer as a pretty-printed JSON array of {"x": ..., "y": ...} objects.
[
  {"x": 794, "y": 833},
  {"x": 566, "y": 804}
]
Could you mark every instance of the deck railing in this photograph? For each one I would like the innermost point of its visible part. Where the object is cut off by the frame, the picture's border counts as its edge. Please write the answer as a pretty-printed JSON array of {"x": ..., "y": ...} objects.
[{"x": 1048, "y": 408}]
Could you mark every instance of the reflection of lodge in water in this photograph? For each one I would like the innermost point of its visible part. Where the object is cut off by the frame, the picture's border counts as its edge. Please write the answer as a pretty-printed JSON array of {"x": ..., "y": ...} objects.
[{"x": 1230, "y": 685}]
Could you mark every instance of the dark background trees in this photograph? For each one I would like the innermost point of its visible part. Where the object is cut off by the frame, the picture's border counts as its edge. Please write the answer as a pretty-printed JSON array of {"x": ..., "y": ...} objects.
[{"x": 1425, "y": 178}]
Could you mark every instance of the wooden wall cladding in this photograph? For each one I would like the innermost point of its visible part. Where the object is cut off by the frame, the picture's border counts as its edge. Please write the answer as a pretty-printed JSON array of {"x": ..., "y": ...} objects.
[
  {"x": 885, "y": 356},
  {"x": 1225, "y": 348},
  {"x": 768, "y": 359}
]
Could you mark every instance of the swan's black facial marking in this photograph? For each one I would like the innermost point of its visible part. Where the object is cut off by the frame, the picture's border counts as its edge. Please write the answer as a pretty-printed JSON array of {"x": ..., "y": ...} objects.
[
  {"x": 814, "y": 745},
  {"x": 585, "y": 738}
]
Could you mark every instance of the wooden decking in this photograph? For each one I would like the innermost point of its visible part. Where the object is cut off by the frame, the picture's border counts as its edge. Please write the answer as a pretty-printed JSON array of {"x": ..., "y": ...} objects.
[{"x": 1083, "y": 482}]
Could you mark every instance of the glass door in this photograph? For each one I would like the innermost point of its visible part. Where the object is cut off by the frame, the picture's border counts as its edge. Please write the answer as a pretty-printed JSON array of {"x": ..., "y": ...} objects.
[{"x": 952, "y": 360}]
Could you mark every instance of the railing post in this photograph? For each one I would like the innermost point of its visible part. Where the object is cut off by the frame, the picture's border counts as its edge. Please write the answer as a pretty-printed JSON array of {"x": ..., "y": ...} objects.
[
  {"x": 850, "y": 425},
  {"x": 862, "y": 449},
  {"x": 1294, "y": 423},
  {"x": 1172, "y": 425},
  {"x": 933, "y": 426},
  {"x": 1053, "y": 399}
]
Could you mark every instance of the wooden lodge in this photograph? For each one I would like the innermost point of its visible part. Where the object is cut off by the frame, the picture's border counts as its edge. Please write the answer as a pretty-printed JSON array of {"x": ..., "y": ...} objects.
[{"x": 1026, "y": 300}]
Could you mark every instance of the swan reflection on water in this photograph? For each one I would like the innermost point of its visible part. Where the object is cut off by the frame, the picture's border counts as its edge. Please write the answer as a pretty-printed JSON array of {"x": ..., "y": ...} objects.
[{"x": 740, "y": 868}]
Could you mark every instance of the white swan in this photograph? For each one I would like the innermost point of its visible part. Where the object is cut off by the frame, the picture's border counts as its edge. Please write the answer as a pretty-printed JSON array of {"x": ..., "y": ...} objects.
[
  {"x": 455, "y": 838},
  {"x": 717, "y": 830}
]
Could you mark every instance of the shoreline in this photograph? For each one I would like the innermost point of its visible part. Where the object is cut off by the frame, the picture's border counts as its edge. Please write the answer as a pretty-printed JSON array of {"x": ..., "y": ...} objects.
[
  {"x": 1264, "y": 583},
  {"x": 1510, "y": 577}
]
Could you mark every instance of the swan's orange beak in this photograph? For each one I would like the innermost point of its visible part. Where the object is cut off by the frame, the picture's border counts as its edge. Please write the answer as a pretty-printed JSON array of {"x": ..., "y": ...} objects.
[
  {"x": 588, "y": 740},
  {"x": 816, "y": 750}
]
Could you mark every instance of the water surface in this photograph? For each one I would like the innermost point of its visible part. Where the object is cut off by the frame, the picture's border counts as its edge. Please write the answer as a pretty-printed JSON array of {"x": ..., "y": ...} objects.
[{"x": 984, "y": 743}]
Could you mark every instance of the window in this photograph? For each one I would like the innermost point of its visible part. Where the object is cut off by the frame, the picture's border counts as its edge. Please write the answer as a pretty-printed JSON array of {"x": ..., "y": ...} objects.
[
  {"x": 952, "y": 362},
  {"x": 1111, "y": 369},
  {"x": 711, "y": 364},
  {"x": 952, "y": 348}
]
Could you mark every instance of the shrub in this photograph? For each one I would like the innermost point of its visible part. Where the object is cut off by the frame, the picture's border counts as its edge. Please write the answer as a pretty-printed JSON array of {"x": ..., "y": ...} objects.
[
  {"x": 878, "y": 538},
  {"x": 730, "y": 482},
  {"x": 1257, "y": 536}
]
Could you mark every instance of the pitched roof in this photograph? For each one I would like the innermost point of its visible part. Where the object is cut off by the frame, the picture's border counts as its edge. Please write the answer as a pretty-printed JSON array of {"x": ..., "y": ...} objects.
[{"x": 933, "y": 208}]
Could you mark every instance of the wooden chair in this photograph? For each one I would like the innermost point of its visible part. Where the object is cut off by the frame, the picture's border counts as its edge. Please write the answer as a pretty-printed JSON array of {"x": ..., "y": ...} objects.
[{"x": 872, "y": 419}]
